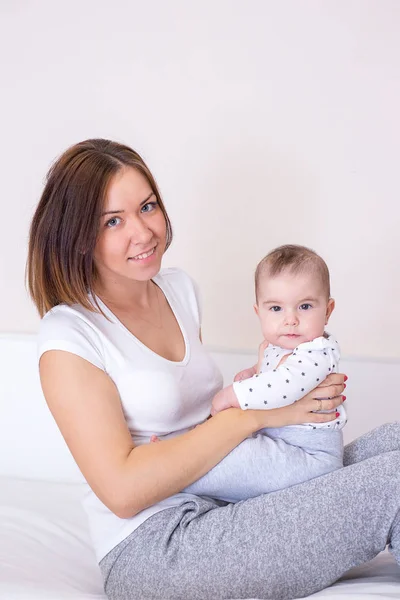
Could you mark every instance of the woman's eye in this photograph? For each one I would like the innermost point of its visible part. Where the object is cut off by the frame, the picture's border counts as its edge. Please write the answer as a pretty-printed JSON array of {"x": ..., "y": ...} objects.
[
  {"x": 149, "y": 206},
  {"x": 305, "y": 306},
  {"x": 112, "y": 222},
  {"x": 275, "y": 308}
]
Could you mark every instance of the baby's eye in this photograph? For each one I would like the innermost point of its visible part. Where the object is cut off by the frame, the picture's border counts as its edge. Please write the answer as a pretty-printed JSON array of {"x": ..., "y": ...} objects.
[
  {"x": 305, "y": 306},
  {"x": 275, "y": 308},
  {"x": 149, "y": 206},
  {"x": 112, "y": 222}
]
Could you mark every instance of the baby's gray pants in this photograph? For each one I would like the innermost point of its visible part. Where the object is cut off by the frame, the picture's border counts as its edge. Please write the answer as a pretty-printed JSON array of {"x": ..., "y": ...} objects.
[
  {"x": 272, "y": 460},
  {"x": 279, "y": 546}
]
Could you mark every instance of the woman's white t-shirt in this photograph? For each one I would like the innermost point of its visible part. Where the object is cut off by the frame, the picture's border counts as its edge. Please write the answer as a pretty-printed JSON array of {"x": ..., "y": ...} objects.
[{"x": 158, "y": 396}]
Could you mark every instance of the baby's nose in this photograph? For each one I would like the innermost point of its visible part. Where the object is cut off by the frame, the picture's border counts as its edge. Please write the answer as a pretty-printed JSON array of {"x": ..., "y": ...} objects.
[{"x": 292, "y": 319}]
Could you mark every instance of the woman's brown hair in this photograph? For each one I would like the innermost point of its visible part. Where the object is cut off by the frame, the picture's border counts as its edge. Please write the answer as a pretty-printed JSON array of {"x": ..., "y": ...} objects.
[{"x": 64, "y": 228}]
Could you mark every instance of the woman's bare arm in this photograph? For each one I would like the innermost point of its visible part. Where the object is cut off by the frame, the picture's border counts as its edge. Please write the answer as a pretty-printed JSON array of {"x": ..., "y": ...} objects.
[{"x": 86, "y": 406}]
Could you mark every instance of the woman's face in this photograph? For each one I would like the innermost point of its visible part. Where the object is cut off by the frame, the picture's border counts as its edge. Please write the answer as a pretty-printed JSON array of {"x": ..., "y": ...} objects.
[{"x": 132, "y": 233}]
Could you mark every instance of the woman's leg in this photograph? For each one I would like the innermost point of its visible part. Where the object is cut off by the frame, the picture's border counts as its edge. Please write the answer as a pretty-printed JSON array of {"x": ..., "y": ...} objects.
[
  {"x": 385, "y": 438},
  {"x": 279, "y": 546}
]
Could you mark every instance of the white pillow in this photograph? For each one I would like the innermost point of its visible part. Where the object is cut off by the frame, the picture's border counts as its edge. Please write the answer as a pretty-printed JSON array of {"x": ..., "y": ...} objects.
[{"x": 31, "y": 445}]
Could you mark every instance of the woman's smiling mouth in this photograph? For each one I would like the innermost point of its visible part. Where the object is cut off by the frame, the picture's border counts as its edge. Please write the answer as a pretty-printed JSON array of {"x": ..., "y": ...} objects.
[{"x": 144, "y": 255}]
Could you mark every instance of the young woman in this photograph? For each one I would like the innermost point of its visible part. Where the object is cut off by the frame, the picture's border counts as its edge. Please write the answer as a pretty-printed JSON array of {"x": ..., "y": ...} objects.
[{"x": 121, "y": 359}]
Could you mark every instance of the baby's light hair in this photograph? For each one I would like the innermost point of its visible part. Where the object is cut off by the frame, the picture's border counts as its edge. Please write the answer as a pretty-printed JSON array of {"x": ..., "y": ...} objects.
[{"x": 295, "y": 259}]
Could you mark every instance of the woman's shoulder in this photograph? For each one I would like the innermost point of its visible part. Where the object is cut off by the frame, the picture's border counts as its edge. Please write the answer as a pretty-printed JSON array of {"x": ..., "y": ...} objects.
[
  {"x": 72, "y": 328},
  {"x": 64, "y": 315}
]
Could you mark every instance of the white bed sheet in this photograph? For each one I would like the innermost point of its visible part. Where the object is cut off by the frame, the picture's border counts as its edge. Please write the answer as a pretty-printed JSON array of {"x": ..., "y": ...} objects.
[{"x": 45, "y": 551}]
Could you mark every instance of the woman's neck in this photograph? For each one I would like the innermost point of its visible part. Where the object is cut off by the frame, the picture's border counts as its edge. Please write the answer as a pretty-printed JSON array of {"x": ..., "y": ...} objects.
[{"x": 123, "y": 297}]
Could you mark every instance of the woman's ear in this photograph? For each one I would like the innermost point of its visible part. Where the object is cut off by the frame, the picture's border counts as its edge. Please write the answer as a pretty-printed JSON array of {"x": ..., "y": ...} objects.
[{"x": 329, "y": 309}]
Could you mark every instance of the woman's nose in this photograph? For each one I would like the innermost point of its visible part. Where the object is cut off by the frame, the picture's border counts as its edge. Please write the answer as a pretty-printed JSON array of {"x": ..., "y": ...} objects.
[{"x": 139, "y": 232}]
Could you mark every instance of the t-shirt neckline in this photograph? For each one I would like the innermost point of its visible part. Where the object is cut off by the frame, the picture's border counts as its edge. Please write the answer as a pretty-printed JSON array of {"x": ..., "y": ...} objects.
[{"x": 158, "y": 280}]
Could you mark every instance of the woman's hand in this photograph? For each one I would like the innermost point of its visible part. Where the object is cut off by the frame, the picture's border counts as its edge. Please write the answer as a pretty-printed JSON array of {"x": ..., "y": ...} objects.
[
  {"x": 325, "y": 397},
  {"x": 226, "y": 398}
]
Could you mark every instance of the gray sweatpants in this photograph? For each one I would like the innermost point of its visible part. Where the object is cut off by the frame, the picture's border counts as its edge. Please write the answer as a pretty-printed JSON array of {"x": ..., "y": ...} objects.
[
  {"x": 279, "y": 546},
  {"x": 271, "y": 460}
]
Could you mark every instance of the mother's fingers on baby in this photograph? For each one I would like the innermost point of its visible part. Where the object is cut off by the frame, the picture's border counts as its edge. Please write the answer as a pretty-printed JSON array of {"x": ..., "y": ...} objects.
[
  {"x": 332, "y": 398},
  {"x": 310, "y": 403},
  {"x": 333, "y": 379},
  {"x": 322, "y": 417},
  {"x": 330, "y": 391},
  {"x": 327, "y": 404}
]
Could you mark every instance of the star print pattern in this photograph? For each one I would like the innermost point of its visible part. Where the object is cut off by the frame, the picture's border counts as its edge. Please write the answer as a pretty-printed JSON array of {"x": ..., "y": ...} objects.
[{"x": 308, "y": 365}]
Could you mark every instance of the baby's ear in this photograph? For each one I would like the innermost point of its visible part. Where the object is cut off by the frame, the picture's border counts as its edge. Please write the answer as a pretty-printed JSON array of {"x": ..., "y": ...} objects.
[
  {"x": 329, "y": 309},
  {"x": 255, "y": 306}
]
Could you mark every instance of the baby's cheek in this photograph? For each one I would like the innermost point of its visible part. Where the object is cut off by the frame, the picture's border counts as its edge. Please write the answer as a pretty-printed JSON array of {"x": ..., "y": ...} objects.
[
  {"x": 272, "y": 335},
  {"x": 315, "y": 328},
  {"x": 268, "y": 329}
]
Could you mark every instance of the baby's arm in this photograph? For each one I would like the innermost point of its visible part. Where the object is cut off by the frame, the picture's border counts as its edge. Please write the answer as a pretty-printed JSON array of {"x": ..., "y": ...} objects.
[{"x": 301, "y": 372}]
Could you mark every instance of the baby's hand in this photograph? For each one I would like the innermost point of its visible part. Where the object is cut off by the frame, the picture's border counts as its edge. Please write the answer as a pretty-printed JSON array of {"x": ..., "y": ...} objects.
[
  {"x": 245, "y": 374},
  {"x": 154, "y": 438},
  {"x": 261, "y": 350},
  {"x": 226, "y": 398},
  {"x": 263, "y": 346}
]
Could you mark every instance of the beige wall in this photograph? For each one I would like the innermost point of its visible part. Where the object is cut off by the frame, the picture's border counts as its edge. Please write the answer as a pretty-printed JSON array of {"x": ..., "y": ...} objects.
[{"x": 264, "y": 122}]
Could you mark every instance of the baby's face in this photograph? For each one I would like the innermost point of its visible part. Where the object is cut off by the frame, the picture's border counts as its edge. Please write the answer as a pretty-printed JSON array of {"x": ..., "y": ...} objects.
[{"x": 292, "y": 308}]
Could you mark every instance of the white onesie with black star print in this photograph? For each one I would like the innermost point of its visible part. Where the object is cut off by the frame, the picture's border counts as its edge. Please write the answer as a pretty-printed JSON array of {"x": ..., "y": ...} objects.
[
  {"x": 304, "y": 369},
  {"x": 274, "y": 459}
]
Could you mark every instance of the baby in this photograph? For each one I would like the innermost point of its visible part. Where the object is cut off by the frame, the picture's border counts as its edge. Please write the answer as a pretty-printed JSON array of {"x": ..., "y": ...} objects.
[{"x": 293, "y": 305}]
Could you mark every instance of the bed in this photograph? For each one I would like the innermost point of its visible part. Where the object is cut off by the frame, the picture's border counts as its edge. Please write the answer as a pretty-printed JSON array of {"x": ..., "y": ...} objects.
[{"x": 45, "y": 549}]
